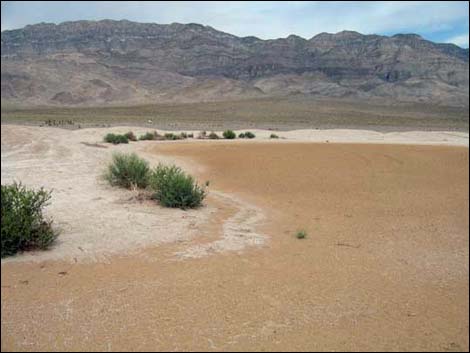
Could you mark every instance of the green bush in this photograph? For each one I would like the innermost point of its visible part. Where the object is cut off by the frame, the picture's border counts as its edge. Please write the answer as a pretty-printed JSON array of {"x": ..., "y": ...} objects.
[
  {"x": 274, "y": 136},
  {"x": 116, "y": 139},
  {"x": 174, "y": 188},
  {"x": 229, "y": 134},
  {"x": 149, "y": 136},
  {"x": 213, "y": 136},
  {"x": 172, "y": 136},
  {"x": 301, "y": 234},
  {"x": 23, "y": 224},
  {"x": 241, "y": 135},
  {"x": 130, "y": 136},
  {"x": 249, "y": 135},
  {"x": 128, "y": 171}
]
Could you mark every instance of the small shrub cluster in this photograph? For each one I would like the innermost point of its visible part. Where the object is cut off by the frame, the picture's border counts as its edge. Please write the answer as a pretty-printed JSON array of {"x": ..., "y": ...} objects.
[
  {"x": 170, "y": 136},
  {"x": 229, "y": 134},
  {"x": 174, "y": 188},
  {"x": 169, "y": 184},
  {"x": 116, "y": 138},
  {"x": 128, "y": 171},
  {"x": 23, "y": 224},
  {"x": 53, "y": 122},
  {"x": 130, "y": 136},
  {"x": 213, "y": 136},
  {"x": 149, "y": 136},
  {"x": 247, "y": 135},
  {"x": 167, "y": 136},
  {"x": 274, "y": 136}
]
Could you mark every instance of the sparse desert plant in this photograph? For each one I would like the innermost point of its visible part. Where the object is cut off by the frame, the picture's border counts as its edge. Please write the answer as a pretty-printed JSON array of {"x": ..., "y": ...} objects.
[
  {"x": 191, "y": 136},
  {"x": 229, "y": 134},
  {"x": 172, "y": 136},
  {"x": 23, "y": 224},
  {"x": 130, "y": 136},
  {"x": 149, "y": 136},
  {"x": 128, "y": 171},
  {"x": 301, "y": 234},
  {"x": 249, "y": 135},
  {"x": 184, "y": 135},
  {"x": 213, "y": 136},
  {"x": 116, "y": 138},
  {"x": 202, "y": 135},
  {"x": 174, "y": 188},
  {"x": 241, "y": 135},
  {"x": 273, "y": 136}
]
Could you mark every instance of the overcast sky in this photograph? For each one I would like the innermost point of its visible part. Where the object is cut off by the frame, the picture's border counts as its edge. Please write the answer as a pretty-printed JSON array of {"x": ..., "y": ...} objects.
[{"x": 434, "y": 20}]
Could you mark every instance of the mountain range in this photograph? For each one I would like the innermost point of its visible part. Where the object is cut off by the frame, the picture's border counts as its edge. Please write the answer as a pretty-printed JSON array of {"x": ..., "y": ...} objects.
[{"x": 89, "y": 63}]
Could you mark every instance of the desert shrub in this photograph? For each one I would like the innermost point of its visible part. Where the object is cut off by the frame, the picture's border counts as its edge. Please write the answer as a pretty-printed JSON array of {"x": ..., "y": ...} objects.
[
  {"x": 174, "y": 188},
  {"x": 184, "y": 135},
  {"x": 171, "y": 136},
  {"x": 249, "y": 135},
  {"x": 116, "y": 138},
  {"x": 130, "y": 136},
  {"x": 202, "y": 135},
  {"x": 213, "y": 136},
  {"x": 23, "y": 224},
  {"x": 128, "y": 171},
  {"x": 229, "y": 134},
  {"x": 274, "y": 136},
  {"x": 149, "y": 136},
  {"x": 301, "y": 234},
  {"x": 241, "y": 135},
  {"x": 190, "y": 136}
]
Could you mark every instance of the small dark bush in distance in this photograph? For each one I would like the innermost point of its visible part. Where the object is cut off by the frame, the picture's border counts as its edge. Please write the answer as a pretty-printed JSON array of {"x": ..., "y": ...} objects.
[
  {"x": 229, "y": 134},
  {"x": 249, "y": 135},
  {"x": 128, "y": 171},
  {"x": 115, "y": 138},
  {"x": 174, "y": 188},
  {"x": 274, "y": 136},
  {"x": 171, "y": 136},
  {"x": 130, "y": 136},
  {"x": 213, "y": 136},
  {"x": 241, "y": 135},
  {"x": 23, "y": 224},
  {"x": 149, "y": 136}
]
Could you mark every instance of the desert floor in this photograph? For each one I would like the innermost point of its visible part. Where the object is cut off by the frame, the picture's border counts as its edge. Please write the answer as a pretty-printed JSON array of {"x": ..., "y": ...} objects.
[{"x": 384, "y": 266}]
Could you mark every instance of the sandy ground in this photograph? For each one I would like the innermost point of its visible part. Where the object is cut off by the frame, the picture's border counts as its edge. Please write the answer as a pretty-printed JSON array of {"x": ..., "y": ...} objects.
[{"x": 385, "y": 265}]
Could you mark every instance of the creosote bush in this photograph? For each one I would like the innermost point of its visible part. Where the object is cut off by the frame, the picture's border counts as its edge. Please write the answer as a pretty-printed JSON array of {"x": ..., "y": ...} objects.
[
  {"x": 149, "y": 136},
  {"x": 130, "y": 136},
  {"x": 274, "y": 136},
  {"x": 229, "y": 134},
  {"x": 213, "y": 136},
  {"x": 247, "y": 135},
  {"x": 172, "y": 136},
  {"x": 301, "y": 234},
  {"x": 116, "y": 138},
  {"x": 128, "y": 171},
  {"x": 174, "y": 188},
  {"x": 23, "y": 224}
]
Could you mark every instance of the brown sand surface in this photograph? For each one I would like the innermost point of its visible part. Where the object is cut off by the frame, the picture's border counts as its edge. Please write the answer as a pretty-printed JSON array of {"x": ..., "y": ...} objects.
[{"x": 384, "y": 266}]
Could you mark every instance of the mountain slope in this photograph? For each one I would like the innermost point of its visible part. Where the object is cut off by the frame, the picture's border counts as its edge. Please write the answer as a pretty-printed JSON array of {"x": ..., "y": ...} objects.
[{"x": 121, "y": 62}]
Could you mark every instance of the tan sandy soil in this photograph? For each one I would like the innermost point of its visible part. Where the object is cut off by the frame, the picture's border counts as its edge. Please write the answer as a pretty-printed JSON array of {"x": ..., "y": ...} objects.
[{"x": 384, "y": 267}]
